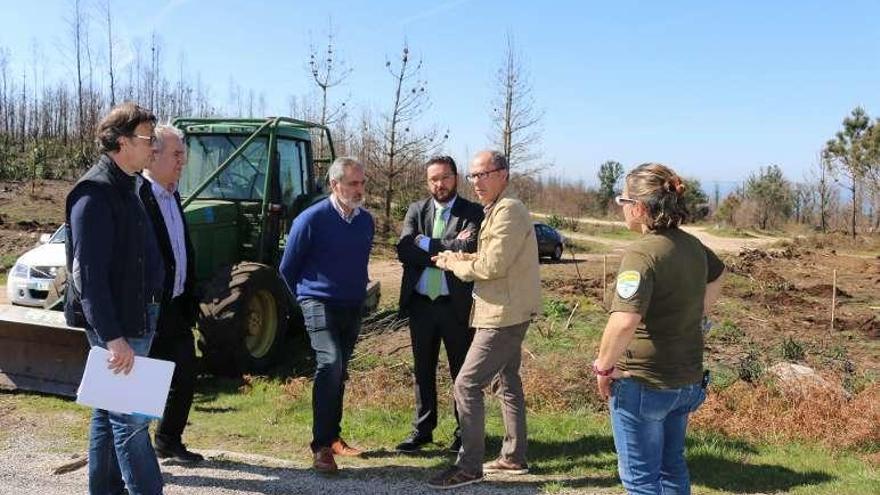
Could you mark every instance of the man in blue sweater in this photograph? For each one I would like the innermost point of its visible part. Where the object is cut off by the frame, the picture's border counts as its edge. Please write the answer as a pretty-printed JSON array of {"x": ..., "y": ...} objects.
[{"x": 325, "y": 267}]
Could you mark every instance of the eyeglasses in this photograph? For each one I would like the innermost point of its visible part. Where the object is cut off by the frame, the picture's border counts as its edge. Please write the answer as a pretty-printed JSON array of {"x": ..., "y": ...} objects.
[
  {"x": 481, "y": 175},
  {"x": 620, "y": 200},
  {"x": 150, "y": 138}
]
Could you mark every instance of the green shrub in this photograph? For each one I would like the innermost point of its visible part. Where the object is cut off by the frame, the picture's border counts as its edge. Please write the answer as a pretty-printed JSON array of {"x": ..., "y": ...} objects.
[
  {"x": 792, "y": 349},
  {"x": 555, "y": 221},
  {"x": 838, "y": 357},
  {"x": 750, "y": 368},
  {"x": 727, "y": 332},
  {"x": 722, "y": 377},
  {"x": 555, "y": 309},
  {"x": 855, "y": 383}
]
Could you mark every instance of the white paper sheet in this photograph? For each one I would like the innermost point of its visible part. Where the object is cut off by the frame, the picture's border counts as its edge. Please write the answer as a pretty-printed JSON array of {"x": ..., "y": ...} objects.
[{"x": 143, "y": 391}]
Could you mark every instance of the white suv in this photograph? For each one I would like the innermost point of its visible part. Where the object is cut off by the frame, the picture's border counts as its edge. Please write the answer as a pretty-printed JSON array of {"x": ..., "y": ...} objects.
[{"x": 33, "y": 273}]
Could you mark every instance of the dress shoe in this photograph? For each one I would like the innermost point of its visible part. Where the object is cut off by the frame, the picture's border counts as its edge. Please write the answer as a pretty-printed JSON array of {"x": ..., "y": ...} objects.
[
  {"x": 413, "y": 443},
  {"x": 453, "y": 477},
  {"x": 178, "y": 453},
  {"x": 503, "y": 466},
  {"x": 339, "y": 447},
  {"x": 324, "y": 462}
]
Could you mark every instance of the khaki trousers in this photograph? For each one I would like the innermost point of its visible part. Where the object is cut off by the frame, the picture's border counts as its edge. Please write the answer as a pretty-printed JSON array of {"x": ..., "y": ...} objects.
[{"x": 495, "y": 352}]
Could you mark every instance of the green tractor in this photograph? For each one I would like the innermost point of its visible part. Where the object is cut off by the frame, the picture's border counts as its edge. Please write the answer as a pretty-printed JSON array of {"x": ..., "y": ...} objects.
[{"x": 244, "y": 183}]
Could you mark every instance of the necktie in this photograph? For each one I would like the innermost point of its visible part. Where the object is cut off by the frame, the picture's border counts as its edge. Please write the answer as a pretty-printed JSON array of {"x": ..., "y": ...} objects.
[{"x": 435, "y": 274}]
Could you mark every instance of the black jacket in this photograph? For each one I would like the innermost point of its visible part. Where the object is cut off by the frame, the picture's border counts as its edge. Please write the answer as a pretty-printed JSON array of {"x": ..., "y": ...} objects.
[
  {"x": 188, "y": 299},
  {"x": 420, "y": 220},
  {"x": 113, "y": 262}
]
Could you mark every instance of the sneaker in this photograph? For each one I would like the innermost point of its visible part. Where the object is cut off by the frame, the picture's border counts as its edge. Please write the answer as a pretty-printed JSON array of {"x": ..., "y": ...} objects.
[
  {"x": 414, "y": 442},
  {"x": 455, "y": 446},
  {"x": 339, "y": 447},
  {"x": 178, "y": 453},
  {"x": 324, "y": 462},
  {"x": 453, "y": 477},
  {"x": 502, "y": 466}
]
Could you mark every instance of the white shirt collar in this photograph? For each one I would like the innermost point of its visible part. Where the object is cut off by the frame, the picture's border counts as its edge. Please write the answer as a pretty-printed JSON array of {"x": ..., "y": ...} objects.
[
  {"x": 438, "y": 205},
  {"x": 158, "y": 188},
  {"x": 338, "y": 207}
]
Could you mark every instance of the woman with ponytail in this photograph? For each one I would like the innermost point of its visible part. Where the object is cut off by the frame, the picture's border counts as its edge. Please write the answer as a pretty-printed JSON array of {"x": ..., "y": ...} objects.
[{"x": 650, "y": 363}]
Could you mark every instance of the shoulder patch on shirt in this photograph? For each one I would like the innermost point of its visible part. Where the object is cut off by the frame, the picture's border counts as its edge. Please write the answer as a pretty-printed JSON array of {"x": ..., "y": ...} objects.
[{"x": 628, "y": 283}]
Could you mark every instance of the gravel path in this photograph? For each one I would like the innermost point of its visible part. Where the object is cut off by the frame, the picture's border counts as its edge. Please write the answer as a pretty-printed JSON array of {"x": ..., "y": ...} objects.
[{"x": 27, "y": 470}]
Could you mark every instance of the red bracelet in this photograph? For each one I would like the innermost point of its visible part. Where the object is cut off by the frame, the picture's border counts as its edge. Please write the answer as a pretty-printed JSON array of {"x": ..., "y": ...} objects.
[{"x": 599, "y": 372}]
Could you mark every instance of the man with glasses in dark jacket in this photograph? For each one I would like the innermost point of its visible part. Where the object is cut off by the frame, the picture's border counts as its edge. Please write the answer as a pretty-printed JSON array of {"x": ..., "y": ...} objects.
[{"x": 114, "y": 288}]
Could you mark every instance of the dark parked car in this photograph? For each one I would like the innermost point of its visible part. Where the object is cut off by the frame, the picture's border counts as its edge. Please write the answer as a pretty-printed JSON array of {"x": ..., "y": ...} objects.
[{"x": 550, "y": 242}]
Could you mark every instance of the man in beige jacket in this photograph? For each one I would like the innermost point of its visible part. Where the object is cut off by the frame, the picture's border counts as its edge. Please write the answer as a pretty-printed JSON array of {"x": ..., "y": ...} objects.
[{"x": 507, "y": 295}]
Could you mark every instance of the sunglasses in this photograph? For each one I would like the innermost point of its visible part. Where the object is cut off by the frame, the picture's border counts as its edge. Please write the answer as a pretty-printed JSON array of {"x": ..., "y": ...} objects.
[{"x": 620, "y": 200}]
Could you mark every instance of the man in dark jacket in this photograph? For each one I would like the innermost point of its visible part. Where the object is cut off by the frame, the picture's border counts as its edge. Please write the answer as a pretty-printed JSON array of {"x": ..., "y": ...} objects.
[
  {"x": 438, "y": 303},
  {"x": 174, "y": 338},
  {"x": 114, "y": 289}
]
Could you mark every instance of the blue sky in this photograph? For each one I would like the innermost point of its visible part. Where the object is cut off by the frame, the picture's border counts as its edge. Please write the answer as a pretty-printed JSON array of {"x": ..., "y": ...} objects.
[{"x": 713, "y": 89}]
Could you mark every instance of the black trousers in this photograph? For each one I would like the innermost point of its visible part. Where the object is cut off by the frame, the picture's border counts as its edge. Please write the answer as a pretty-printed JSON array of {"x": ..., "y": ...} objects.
[
  {"x": 430, "y": 323},
  {"x": 174, "y": 342}
]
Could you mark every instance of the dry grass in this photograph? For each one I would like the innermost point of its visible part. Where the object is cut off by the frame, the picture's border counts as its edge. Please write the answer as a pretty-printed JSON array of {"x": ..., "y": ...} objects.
[
  {"x": 385, "y": 387},
  {"x": 553, "y": 383},
  {"x": 765, "y": 413},
  {"x": 839, "y": 241}
]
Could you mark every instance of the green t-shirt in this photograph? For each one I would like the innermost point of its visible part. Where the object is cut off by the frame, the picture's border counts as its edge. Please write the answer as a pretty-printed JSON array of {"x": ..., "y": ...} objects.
[{"x": 663, "y": 277}]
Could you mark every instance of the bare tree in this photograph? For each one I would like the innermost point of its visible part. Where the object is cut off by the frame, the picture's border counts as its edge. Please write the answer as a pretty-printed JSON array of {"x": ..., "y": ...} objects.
[
  {"x": 516, "y": 120},
  {"x": 155, "y": 50},
  {"x": 823, "y": 193},
  {"x": 35, "y": 63},
  {"x": 328, "y": 70},
  {"x": 302, "y": 108},
  {"x": 393, "y": 144},
  {"x": 872, "y": 149},
  {"x": 261, "y": 105},
  {"x": 5, "y": 111},
  {"x": 77, "y": 27},
  {"x": 110, "y": 68}
]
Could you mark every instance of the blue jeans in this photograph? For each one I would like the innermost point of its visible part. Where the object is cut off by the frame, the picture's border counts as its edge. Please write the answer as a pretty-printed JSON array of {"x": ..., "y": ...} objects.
[
  {"x": 649, "y": 427},
  {"x": 333, "y": 331},
  {"x": 120, "y": 453}
]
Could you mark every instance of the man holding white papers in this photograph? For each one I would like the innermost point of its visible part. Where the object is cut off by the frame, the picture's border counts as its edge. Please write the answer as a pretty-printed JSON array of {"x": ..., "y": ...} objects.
[{"x": 115, "y": 285}]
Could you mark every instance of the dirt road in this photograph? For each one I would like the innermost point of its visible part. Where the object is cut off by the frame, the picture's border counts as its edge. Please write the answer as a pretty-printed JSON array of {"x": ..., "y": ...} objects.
[{"x": 715, "y": 243}]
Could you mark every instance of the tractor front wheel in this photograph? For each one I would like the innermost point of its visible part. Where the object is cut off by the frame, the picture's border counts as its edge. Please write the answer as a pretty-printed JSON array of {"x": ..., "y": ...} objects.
[{"x": 243, "y": 316}]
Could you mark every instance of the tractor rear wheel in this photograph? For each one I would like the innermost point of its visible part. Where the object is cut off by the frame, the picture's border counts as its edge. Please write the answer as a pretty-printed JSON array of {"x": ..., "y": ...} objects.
[{"x": 243, "y": 317}]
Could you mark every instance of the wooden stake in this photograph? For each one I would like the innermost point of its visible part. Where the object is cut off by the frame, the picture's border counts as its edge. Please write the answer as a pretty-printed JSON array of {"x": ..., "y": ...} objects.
[
  {"x": 833, "y": 297},
  {"x": 568, "y": 323}
]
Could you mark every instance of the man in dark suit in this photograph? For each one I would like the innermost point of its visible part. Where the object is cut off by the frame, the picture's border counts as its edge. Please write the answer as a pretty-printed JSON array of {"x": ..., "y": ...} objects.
[
  {"x": 438, "y": 304},
  {"x": 174, "y": 338}
]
